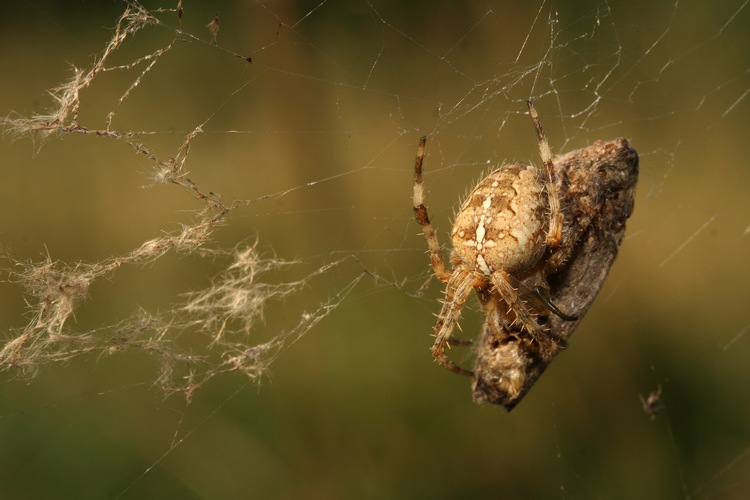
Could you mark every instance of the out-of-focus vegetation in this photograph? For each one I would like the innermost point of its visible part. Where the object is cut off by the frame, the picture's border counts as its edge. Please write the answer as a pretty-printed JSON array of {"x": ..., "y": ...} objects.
[{"x": 312, "y": 146}]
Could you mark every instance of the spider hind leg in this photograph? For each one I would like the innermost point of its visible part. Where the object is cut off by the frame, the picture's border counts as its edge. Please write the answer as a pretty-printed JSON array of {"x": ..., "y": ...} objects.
[{"x": 457, "y": 291}]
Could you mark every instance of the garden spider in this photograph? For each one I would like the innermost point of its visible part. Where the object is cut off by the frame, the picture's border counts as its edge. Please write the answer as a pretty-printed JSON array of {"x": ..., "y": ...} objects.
[{"x": 507, "y": 239}]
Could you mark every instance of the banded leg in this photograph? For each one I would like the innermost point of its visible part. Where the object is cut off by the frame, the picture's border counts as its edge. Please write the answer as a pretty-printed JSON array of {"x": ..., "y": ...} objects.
[
  {"x": 420, "y": 210},
  {"x": 554, "y": 233},
  {"x": 457, "y": 290}
]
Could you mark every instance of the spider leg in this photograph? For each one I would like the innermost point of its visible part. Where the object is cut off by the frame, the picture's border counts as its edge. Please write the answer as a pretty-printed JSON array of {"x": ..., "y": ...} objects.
[
  {"x": 513, "y": 292},
  {"x": 558, "y": 258},
  {"x": 420, "y": 210},
  {"x": 503, "y": 283},
  {"x": 543, "y": 295},
  {"x": 458, "y": 289},
  {"x": 554, "y": 233}
]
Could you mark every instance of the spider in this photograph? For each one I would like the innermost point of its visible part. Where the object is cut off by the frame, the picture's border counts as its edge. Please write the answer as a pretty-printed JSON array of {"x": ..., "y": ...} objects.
[{"x": 507, "y": 239}]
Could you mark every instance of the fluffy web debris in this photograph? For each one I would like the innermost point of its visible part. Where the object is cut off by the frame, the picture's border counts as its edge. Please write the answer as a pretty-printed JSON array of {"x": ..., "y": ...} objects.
[
  {"x": 63, "y": 117},
  {"x": 222, "y": 316}
]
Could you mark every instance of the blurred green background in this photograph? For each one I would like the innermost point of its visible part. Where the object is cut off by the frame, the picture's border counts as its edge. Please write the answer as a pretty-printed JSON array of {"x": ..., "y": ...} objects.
[{"x": 326, "y": 121}]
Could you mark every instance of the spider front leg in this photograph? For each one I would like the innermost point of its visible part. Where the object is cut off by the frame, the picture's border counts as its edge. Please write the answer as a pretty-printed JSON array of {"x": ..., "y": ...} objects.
[
  {"x": 420, "y": 210},
  {"x": 458, "y": 289},
  {"x": 503, "y": 285},
  {"x": 554, "y": 233},
  {"x": 566, "y": 248},
  {"x": 521, "y": 301}
]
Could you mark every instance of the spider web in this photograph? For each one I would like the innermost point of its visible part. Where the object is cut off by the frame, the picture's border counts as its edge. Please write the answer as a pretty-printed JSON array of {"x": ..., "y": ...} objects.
[{"x": 214, "y": 284}]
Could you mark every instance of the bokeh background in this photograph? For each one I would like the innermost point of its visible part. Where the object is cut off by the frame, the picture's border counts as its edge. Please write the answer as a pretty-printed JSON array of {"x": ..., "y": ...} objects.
[{"x": 317, "y": 136}]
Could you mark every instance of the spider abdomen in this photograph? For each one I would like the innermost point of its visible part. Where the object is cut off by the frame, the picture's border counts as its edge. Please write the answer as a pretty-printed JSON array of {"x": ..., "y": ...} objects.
[{"x": 502, "y": 223}]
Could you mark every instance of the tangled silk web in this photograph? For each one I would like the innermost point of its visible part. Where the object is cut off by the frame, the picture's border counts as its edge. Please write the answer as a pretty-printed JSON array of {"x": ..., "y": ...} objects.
[{"x": 224, "y": 313}]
